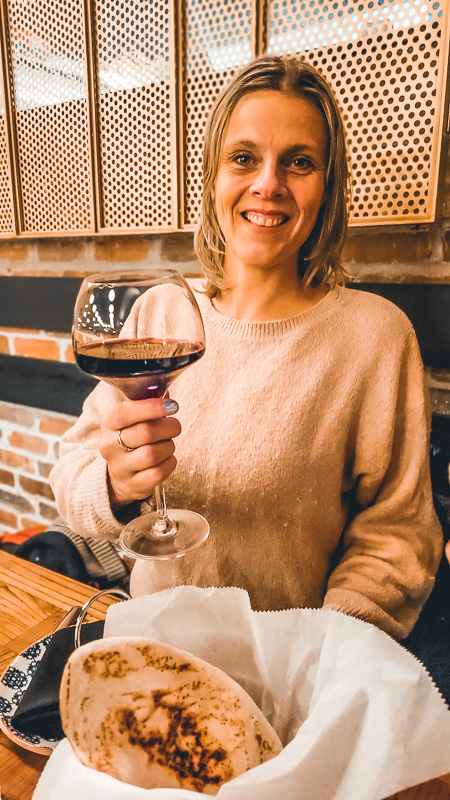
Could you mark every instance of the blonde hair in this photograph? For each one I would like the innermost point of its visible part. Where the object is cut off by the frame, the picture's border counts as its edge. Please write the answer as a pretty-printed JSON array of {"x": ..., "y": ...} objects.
[{"x": 319, "y": 257}]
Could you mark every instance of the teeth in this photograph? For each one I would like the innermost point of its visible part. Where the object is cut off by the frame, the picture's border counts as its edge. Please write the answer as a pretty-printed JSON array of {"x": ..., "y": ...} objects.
[{"x": 265, "y": 222}]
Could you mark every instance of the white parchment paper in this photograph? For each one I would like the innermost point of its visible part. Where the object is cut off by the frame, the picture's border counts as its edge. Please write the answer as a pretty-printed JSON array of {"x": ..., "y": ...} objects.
[{"x": 359, "y": 717}]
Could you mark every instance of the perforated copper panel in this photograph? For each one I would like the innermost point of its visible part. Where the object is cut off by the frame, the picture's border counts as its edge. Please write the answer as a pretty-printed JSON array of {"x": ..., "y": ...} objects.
[
  {"x": 386, "y": 63},
  {"x": 6, "y": 205},
  {"x": 136, "y": 102},
  {"x": 137, "y": 85},
  {"x": 219, "y": 38},
  {"x": 50, "y": 115}
]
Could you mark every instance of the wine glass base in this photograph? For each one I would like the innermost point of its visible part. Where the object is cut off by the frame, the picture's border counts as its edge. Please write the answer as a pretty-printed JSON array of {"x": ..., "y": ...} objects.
[{"x": 139, "y": 540}]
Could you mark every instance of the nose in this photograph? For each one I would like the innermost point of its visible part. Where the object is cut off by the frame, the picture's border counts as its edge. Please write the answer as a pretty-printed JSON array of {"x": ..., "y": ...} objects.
[{"x": 268, "y": 181}]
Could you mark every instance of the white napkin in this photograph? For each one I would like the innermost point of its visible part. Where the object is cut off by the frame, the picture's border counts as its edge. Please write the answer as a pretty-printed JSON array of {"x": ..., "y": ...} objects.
[{"x": 359, "y": 716}]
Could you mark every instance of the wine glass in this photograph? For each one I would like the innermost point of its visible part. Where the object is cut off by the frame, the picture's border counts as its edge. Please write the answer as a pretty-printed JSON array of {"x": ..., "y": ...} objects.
[{"x": 138, "y": 331}]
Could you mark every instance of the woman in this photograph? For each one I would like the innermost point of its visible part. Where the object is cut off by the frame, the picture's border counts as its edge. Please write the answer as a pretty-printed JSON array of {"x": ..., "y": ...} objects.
[{"x": 303, "y": 436}]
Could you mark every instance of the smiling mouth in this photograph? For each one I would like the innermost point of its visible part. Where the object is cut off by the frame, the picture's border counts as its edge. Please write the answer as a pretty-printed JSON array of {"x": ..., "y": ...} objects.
[{"x": 265, "y": 220}]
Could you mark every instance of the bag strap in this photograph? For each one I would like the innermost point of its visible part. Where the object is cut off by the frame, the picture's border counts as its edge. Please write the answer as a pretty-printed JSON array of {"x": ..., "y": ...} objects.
[{"x": 99, "y": 555}]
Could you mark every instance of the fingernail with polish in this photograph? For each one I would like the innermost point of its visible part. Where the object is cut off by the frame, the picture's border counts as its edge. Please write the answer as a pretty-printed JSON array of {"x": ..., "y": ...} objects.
[{"x": 171, "y": 407}]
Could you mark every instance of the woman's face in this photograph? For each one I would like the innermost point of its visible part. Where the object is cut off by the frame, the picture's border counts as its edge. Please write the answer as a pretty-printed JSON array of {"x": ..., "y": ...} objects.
[{"x": 271, "y": 179}]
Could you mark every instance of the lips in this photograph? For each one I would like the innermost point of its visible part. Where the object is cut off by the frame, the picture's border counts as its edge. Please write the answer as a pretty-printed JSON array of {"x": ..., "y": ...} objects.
[{"x": 264, "y": 219}]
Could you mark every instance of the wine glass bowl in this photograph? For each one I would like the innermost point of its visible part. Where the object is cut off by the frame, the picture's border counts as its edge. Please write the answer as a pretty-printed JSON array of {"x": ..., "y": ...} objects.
[{"x": 138, "y": 331}]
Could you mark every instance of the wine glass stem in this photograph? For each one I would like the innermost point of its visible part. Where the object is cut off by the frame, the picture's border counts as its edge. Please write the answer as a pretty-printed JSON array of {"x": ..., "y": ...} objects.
[
  {"x": 164, "y": 525},
  {"x": 160, "y": 500}
]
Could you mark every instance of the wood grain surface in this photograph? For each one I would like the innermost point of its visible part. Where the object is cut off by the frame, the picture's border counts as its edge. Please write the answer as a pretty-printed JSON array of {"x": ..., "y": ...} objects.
[
  {"x": 33, "y": 601},
  {"x": 431, "y": 790}
]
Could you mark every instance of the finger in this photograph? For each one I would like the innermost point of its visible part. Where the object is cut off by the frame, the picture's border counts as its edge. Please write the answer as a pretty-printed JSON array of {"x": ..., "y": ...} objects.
[
  {"x": 149, "y": 456},
  {"x": 144, "y": 433},
  {"x": 141, "y": 484},
  {"x": 136, "y": 437},
  {"x": 130, "y": 412},
  {"x": 154, "y": 475},
  {"x": 123, "y": 466}
]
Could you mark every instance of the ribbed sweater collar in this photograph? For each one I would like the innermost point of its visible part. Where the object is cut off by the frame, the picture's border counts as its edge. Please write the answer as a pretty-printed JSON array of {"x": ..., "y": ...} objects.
[{"x": 259, "y": 331}]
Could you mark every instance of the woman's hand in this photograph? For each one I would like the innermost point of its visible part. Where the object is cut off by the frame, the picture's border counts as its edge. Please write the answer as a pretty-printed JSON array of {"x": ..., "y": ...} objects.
[{"x": 145, "y": 426}]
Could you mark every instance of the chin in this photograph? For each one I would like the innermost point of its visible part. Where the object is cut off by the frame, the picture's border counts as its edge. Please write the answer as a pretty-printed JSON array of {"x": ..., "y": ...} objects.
[{"x": 264, "y": 260}]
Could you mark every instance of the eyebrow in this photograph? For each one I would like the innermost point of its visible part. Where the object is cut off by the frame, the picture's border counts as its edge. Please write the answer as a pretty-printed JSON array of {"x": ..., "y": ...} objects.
[{"x": 296, "y": 148}]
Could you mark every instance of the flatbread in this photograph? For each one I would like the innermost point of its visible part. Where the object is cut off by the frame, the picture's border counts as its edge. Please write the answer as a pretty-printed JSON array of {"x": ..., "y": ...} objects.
[{"x": 155, "y": 716}]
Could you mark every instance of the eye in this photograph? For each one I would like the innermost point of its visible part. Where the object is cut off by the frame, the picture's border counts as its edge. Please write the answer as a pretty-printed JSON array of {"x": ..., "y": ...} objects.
[
  {"x": 243, "y": 159},
  {"x": 302, "y": 163}
]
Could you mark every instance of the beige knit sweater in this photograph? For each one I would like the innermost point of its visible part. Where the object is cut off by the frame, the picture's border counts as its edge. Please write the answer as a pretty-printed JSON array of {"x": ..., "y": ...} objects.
[{"x": 305, "y": 444}]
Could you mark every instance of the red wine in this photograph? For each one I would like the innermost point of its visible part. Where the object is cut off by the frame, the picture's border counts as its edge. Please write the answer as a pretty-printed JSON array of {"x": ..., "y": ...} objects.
[{"x": 139, "y": 367}]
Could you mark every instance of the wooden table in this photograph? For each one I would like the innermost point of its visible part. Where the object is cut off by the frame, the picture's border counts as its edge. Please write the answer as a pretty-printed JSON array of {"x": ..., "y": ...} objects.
[{"x": 32, "y": 602}]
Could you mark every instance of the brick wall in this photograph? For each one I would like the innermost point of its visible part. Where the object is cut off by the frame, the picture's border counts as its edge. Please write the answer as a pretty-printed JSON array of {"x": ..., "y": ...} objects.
[
  {"x": 36, "y": 344},
  {"x": 29, "y": 437},
  {"x": 29, "y": 441}
]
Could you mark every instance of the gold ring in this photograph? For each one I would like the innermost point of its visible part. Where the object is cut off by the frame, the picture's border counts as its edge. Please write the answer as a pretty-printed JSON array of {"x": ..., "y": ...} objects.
[{"x": 122, "y": 444}]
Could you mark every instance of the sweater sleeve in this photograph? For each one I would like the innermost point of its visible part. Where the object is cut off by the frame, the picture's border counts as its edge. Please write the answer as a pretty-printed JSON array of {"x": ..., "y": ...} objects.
[
  {"x": 392, "y": 544},
  {"x": 79, "y": 478}
]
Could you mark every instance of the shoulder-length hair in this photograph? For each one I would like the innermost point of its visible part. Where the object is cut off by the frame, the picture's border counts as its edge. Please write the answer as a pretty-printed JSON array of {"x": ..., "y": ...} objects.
[{"x": 319, "y": 257}]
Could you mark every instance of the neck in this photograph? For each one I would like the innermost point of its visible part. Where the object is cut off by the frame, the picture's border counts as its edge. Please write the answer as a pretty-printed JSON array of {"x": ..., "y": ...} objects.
[{"x": 270, "y": 296}]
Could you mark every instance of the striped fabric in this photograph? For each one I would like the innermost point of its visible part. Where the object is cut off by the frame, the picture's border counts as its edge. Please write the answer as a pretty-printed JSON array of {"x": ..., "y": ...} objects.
[{"x": 100, "y": 556}]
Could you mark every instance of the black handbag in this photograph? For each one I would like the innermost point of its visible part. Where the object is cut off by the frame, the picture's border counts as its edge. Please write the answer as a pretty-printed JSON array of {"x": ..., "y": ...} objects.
[{"x": 38, "y": 711}]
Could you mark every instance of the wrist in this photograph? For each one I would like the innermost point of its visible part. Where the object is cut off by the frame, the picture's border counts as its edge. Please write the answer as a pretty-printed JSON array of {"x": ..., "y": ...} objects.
[{"x": 116, "y": 501}]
